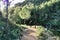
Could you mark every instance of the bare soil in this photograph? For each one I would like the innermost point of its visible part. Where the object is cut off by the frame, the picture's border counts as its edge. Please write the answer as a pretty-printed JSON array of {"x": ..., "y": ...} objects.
[{"x": 29, "y": 34}]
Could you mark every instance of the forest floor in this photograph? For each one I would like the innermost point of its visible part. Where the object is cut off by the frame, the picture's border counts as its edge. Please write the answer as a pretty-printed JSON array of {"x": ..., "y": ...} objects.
[{"x": 29, "y": 34}]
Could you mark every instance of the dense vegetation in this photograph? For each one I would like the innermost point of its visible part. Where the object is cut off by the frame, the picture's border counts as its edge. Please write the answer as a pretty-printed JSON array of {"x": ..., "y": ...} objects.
[
  {"x": 12, "y": 33},
  {"x": 37, "y": 12}
]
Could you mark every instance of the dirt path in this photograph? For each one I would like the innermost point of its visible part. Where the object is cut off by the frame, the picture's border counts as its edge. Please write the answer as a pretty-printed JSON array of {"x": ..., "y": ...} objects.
[{"x": 29, "y": 34}]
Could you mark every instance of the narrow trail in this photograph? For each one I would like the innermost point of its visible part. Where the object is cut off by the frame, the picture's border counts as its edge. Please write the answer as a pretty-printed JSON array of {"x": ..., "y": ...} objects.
[{"x": 29, "y": 34}]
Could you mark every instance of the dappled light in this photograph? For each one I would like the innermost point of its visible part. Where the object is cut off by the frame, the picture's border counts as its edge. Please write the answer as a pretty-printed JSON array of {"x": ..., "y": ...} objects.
[{"x": 29, "y": 19}]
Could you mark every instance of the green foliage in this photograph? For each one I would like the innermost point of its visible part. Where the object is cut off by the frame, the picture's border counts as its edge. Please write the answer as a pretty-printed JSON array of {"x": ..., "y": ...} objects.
[
  {"x": 45, "y": 12},
  {"x": 14, "y": 33},
  {"x": 24, "y": 13},
  {"x": 40, "y": 29},
  {"x": 37, "y": 12}
]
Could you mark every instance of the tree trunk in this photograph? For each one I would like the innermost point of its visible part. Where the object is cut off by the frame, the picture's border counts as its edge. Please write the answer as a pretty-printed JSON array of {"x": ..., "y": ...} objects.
[
  {"x": 24, "y": 21},
  {"x": 7, "y": 22},
  {"x": 35, "y": 26}
]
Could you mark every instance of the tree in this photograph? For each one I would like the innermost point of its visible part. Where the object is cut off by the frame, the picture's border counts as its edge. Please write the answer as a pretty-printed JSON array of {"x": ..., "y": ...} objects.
[{"x": 24, "y": 14}]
